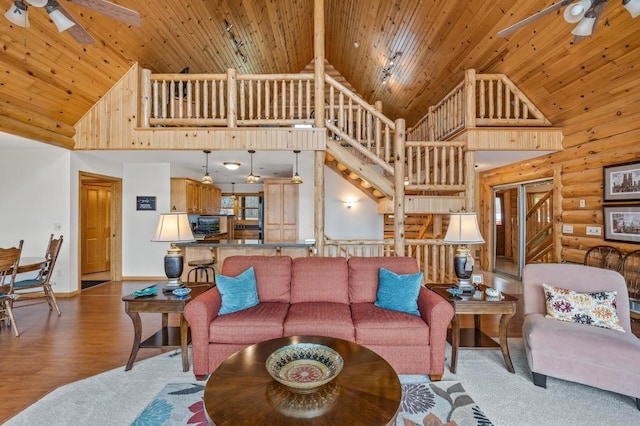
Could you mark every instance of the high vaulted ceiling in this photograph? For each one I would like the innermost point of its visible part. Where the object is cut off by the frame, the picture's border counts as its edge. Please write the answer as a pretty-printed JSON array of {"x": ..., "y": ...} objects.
[{"x": 48, "y": 75}]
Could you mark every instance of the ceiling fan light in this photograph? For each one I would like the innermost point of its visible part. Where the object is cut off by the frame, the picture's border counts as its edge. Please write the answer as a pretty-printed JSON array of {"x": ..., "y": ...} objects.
[
  {"x": 18, "y": 15},
  {"x": 575, "y": 12},
  {"x": 38, "y": 3},
  {"x": 62, "y": 22},
  {"x": 585, "y": 26},
  {"x": 632, "y": 6}
]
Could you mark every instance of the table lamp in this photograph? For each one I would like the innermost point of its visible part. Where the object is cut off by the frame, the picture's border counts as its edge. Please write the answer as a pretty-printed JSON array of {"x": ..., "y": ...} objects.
[
  {"x": 463, "y": 229},
  {"x": 174, "y": 228}
]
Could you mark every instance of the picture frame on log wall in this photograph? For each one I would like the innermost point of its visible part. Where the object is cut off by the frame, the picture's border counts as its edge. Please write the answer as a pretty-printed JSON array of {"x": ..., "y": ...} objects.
[
  {"x": 622, "y": 182},
  {"x": 622, "y": 223}
]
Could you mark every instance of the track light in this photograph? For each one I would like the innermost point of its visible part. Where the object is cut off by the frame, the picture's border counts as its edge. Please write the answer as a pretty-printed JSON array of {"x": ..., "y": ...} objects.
[
  {"x": 632, "y": 6},
  {"x": 62, "y": 22},
  {"x": 18, "y": 15}
]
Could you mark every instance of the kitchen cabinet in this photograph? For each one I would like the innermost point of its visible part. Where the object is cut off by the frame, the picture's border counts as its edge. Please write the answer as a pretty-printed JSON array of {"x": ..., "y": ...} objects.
[
  {"x": 193, "y": 197},
  {"x": 280, "y": 210}
]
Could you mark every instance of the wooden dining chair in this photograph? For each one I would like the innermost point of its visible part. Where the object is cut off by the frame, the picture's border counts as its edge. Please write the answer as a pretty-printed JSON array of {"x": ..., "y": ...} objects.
[
  {"x": 9, "y": 258},
  {"x": 604, "y": 257},
  {"x": 42, "y": 283}
]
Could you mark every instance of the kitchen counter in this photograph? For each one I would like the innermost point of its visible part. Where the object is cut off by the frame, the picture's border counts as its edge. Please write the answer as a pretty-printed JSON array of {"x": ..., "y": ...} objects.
[
  {"x": 245, "y": 243},
  {"x": 221, "y": 249}
]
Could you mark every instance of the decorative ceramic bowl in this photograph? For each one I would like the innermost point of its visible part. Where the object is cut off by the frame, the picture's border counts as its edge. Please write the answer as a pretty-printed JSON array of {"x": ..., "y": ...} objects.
[
  {"x": 181, "y": 292},
  {"x": 304, "y": 367},
  {"x": 455, "y": 291}
]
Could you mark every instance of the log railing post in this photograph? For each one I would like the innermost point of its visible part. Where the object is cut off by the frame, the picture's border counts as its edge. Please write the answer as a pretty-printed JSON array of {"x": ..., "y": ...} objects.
[
  {"x": 398, "y": 211},
  {"x": 232, "y": 97},
  {"x": 145, "y": 97},
  {"x": 470, "y": 98},
  {"x": 319, "y": 121}
]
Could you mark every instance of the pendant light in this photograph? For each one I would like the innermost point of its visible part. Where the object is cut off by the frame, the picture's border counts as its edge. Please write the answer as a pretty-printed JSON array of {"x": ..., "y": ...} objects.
[
  {"x": 233, "y": 190},
  {"x": 252, "y": 178},
  {"x": 296, "y": 177},
  {"x": 207, "y": 179}
]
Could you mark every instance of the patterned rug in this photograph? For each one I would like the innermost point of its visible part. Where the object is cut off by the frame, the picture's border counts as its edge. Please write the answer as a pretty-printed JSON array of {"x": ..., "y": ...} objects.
[{"x": 423, "y": 403}]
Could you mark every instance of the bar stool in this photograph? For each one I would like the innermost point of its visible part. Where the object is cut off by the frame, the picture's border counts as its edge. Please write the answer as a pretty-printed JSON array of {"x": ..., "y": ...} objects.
[{"x": 202, "y": 267}]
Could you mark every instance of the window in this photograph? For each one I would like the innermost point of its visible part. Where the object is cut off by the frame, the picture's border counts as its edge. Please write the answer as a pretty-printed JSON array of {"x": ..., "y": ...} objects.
[{"x": 244, "y": 206}]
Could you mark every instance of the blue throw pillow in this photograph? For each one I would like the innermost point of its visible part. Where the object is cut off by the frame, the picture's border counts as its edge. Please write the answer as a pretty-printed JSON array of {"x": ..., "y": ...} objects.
[
  {"x": 398, "y": 292},
  {"x": 237, "y": 292}
]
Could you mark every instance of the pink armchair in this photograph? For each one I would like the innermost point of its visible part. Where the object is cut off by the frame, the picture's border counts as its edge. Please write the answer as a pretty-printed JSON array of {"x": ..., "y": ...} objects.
[{"x": 594, "y": 356}]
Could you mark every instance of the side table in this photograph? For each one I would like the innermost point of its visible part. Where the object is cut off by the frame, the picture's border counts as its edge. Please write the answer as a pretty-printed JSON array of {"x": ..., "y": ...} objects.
[
  {"x": 164, "y": 303},
  {"x": 478, "y": 304}
]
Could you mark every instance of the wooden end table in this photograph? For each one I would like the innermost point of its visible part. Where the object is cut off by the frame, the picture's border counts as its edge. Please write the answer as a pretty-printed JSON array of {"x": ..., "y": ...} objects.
[
  {"x": 241, "y": 392},
  {"x": 165, "y": 303},
  {"x": 472, "y": 338}
]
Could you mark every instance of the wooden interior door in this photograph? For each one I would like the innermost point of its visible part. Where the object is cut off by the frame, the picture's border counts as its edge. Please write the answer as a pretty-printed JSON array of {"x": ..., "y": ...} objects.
[{"x": 96, "y": 227}]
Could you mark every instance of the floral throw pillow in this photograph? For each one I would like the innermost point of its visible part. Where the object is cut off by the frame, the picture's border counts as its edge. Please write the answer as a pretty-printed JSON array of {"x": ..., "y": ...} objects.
[{"x": 597, "y": 308}]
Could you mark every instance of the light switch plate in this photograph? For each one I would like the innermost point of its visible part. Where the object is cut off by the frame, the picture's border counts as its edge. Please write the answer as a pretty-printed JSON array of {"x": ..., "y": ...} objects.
[
  {"x": 594, "y": 230},
  {"x": 567, "y": 229}
]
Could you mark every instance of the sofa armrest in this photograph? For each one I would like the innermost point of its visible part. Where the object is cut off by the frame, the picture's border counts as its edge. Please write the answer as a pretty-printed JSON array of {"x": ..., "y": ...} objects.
[
  {"x": 437, "y": 313},
  {"x": 200, "y": 312}
]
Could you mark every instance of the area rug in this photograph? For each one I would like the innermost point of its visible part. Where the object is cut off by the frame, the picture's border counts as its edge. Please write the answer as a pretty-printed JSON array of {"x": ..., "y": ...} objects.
[{"x": 423, "y": 403}]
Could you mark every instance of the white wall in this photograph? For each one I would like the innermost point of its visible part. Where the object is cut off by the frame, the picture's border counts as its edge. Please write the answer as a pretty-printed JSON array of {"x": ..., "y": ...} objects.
[
  {"x": 358, "y": 222},
  {"x": 35, "y": 200}
]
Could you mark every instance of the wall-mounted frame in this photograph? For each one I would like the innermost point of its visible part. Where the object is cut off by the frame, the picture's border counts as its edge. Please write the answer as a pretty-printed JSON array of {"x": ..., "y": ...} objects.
[
  {"x": 477, "y": 279},
  {"x": 622, "y": 223},
  {"x": 622, "y": 182},
  {"x": 145, "y": 203}
]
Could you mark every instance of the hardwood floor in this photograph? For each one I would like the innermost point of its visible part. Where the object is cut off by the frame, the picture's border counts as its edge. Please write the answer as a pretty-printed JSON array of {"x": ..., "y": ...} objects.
[{"x": 94, "y": 335}]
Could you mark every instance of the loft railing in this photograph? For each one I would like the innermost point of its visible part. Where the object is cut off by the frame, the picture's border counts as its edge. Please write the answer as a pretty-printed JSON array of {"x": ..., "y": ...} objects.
[
  {"x": 435, "y": 166},
  {"x": 435, "y": 258},
  {"x": 480, "y": 100}
]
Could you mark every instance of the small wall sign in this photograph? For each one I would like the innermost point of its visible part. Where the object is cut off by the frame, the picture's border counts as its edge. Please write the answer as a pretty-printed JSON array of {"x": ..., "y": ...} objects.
[{"x": 145, "y": 203}]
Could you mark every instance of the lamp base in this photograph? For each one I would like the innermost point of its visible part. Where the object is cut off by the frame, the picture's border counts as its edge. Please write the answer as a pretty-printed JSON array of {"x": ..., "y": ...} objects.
[
  {"x": 463, "y": 266},
  {"x": 173, "y": 267}
]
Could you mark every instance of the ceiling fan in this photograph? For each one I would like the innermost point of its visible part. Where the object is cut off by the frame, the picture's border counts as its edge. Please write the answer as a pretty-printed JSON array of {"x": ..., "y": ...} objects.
[
  {"x": 585, "y": 13},
  {"x": 18, "y": 15}
]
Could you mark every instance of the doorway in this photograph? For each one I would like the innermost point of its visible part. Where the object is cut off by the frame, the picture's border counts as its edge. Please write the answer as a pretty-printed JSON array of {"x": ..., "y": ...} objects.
[
  {"x": 523, "y": 226},
  {"x": 99, "y": 222}
]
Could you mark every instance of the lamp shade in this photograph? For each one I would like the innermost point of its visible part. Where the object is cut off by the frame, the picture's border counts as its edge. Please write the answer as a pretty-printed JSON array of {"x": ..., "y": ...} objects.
[
  {"x": 463, "y": 229},
  {"x": 585, "y": 26},
  {"x": 18, "y": 15},
  {"x": 173, "y": 227},
  {"x": 632, "y": 6},
  {"x": 62, "y": 22},
  {"x": 575, "y": 12}
]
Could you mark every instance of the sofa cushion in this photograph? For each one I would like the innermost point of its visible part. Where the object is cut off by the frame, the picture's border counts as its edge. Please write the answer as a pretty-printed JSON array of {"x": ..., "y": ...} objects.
[
  {"x": 319, "y": 319},
  {"x": 319, "y": 279},
  {"x": 363, "y": 275},
  {"x": 399, "y": 292},
  {"x": 261, "y": 322},
  {"x": 273, "y": 274},
  {"x": 377, "y": 326},
  {"x": 237, "y": 292},
  {"x": 598, "y": 308}
]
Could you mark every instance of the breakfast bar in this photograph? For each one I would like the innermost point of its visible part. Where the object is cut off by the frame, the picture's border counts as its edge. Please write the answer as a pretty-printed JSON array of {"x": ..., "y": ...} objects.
[{"x": 221, "y": 249}]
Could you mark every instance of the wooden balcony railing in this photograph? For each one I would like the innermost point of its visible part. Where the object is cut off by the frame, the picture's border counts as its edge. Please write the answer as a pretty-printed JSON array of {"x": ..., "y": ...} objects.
[
  {"x": 480, "y": 100},
  {"x": 435, "y": 166},
  {"x": 435, "y": 258}
]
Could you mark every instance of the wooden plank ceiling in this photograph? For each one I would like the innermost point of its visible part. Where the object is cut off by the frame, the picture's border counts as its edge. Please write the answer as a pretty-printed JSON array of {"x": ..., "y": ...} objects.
[{"x": 49, "y": 81}]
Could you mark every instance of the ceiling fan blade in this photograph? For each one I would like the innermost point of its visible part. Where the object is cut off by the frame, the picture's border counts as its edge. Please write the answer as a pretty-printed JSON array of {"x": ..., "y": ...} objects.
[
  {"x": 534, "y": 17},
  {"x": 121, "y": 13},
  {"x": 77, "y": 31}
]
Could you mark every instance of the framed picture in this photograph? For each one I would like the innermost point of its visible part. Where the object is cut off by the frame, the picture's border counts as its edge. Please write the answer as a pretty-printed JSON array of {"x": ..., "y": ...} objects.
[
  {"x": 622, "y": 182},
  {"x": 477, "y": 279},
  {"x": 622, "y": 223},
  {"x": 145, "y": 203}
]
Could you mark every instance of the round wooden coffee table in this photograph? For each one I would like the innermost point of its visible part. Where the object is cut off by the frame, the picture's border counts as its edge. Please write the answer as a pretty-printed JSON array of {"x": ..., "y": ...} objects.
[{"x": 241, "y": 392}]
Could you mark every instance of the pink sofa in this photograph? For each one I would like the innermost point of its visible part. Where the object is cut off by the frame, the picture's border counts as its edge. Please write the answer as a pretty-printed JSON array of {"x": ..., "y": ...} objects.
[{"x": 321, "y": 296}]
